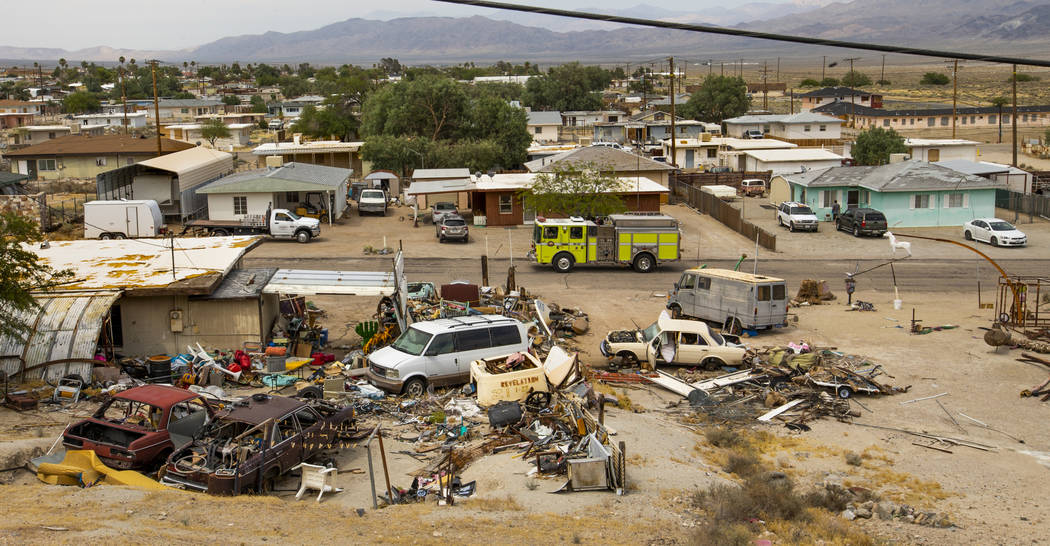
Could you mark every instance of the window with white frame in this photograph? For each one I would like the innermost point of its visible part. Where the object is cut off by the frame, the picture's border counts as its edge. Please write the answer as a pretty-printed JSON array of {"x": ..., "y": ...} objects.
[
  {"x": 955, "y": 200},
  {"x": 45, "y": 165},
  {"x": 920, "y": 201},
  {"x": 240, "y": 204},
  {"x": 506, "y": 203},
  {"x": 827, "y": 198},
  {"x": 823, "y": 128}
]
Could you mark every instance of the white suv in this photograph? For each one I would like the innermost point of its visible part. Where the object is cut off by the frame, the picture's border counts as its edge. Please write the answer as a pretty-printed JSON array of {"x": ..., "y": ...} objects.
[{"x": 796, "y": 216}]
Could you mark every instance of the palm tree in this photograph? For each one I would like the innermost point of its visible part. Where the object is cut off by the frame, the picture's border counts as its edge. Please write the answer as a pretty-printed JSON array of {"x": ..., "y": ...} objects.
[{"x": 1000, "y": 101}]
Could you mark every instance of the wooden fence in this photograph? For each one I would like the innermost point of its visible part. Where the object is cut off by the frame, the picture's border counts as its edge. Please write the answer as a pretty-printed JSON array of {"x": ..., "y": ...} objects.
[
  {"x": 719, "y": 210},
  {"x": 1031, "y": 205},
  {"x": 720, "y": 179}
]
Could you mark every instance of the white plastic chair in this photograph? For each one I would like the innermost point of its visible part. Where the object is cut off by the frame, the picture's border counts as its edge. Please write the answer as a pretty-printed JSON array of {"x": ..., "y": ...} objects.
[{"x": 316, "y": 477}]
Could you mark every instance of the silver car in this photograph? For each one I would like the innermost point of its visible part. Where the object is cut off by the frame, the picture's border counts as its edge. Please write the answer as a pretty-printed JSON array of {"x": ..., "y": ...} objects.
[
  {"x": 452, "y": 226},
  {"x": 441, "y": 209}
]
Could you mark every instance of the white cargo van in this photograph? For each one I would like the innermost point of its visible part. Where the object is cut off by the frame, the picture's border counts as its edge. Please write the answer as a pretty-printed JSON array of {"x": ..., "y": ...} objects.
[
  {"x": 439, "y": 352},
  {"x": 731, "y": 298},
  {"x": 123, "y": 219}
]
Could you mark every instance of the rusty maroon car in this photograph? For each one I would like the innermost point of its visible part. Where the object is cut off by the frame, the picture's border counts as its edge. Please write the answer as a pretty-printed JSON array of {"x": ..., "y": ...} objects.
[
  {"x": 250, "y": 444},
  {"x": 138, "y": 428}
]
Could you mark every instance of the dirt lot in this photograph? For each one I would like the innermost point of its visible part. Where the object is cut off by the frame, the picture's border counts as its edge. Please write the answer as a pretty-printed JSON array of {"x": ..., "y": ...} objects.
[{"x": 988, "y": 495}]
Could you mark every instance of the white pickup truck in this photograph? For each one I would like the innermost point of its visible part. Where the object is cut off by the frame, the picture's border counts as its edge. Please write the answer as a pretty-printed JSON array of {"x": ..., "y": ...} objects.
[
  {"x": 277, "y": 223},
  {"x": 372, "y": 201}
]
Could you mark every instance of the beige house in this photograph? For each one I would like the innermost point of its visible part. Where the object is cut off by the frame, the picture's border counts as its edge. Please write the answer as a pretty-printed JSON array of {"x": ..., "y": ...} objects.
[
  {"x": 240, "y": 134},
  {"x": 975, "y": 117},
  {"x": 941, "y": 149},
  {"x": 331, "y": 153},
  {"x": 172, "y": 110},
  {"x": 543, "y": 126},
  {"x": 709, "y": 151},
  {"x": 77, "y": 156},
  {"x": 35, "y": 134}
]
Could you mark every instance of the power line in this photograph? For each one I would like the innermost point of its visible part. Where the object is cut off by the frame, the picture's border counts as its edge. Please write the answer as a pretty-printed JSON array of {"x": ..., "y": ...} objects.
[{"x": 921, "y": 52}]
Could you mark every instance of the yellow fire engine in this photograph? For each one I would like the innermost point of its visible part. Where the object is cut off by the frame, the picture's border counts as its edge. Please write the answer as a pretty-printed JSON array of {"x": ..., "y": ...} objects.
[{"x": 639, "y": 240}]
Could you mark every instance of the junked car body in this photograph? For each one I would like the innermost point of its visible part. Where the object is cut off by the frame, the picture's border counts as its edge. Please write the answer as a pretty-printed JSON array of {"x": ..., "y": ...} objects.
[
  {"x": 138, "y": 428},
  {"x": 673, "y": 341},
  {"x": 251, "y": 444}
]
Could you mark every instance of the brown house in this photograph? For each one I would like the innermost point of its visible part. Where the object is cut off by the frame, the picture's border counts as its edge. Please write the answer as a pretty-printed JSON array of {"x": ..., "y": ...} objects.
[
  {"x": 80, "y": 156},
  {"x": 498, "y": 198}
]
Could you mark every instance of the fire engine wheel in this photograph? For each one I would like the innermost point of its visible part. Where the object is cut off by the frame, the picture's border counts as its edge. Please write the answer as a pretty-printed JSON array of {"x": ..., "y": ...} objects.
[
  {"x": 563, "y": 262},
  {"x": 644, "y": 263}
]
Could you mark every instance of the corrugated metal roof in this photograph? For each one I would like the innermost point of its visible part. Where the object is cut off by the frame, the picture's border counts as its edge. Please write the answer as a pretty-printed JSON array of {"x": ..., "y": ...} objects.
[
  {"x": 129, "y": 264},
  {"x": 422, "y": 174},
  {"x": 289, "y": 177},
  {"x": 544, "y": 118},
  {"x": 793, "y": 154},
  {"x": 311, "y": 282},
  {"x": 421, "y": 187},
  {"x": 242, "y": 283},
  {"x": 194, "y": 166},
  {"x": 66, "y": 326},
  {"x": 281, "y": 148}
]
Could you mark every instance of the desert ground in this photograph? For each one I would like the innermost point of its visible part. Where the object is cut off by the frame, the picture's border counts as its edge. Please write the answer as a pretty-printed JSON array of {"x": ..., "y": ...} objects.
[{"x": 988, "y": 496}]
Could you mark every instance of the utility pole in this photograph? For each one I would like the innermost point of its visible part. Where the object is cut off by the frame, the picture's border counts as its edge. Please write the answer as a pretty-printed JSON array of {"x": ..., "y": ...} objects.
[
  {"x": 778, "y": 69},
  {"x": 124, "y": 96},
  {"x": 823, "y": 66},
  {"x": 674, "y": 149},
  {"x": 955, "y": 92},
  {"x": 765, "y": 86},
  {"x": 792, "y": 101},
  {"x": 1013, "y": 119},
  {"x": 852, "y": 96},
  {"x": 882, "y": 78},
  {"x": 710, "y": 67},
  {"x": 723, "y": 68},
  {"x": 741, "y": 68},
  {"x": 156, "y": 105}
]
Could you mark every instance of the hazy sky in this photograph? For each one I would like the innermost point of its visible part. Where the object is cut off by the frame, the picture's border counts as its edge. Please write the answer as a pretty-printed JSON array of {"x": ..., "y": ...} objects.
[{"x": 75, "y": 24}]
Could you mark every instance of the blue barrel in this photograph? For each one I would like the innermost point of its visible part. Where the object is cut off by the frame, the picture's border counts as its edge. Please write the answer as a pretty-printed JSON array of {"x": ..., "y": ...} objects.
[{"x": 324, "y": 337}]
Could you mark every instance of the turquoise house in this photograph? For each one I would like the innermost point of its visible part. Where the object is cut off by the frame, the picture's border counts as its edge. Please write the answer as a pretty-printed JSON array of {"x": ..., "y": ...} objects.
[{"x": 910, "y": 193}]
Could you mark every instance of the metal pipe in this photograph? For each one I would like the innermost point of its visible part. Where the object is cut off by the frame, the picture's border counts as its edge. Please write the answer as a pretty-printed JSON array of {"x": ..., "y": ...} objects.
[{"x": 386, "y": 471}]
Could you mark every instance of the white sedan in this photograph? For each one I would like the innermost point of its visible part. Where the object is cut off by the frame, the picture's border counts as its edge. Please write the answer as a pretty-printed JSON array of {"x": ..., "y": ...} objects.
[{"x": 994, "y": 231}]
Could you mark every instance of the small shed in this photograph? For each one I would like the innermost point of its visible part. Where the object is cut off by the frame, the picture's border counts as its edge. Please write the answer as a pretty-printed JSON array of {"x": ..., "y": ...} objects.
[
  {"x": 385, "y": 180},
  {"x": 436, "y": 185}
]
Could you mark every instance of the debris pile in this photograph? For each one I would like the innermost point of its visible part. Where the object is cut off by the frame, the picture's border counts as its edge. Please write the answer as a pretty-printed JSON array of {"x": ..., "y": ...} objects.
[
  {"x": 796, "y": 384},
  {"x": 812, "y": 292}
]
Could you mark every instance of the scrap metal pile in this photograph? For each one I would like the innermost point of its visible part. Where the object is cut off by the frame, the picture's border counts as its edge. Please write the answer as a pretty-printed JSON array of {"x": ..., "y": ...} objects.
[{"x": 795, "y": 384}]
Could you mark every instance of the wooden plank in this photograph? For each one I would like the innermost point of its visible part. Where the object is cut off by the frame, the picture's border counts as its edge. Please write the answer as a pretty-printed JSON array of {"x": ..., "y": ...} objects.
[{"x": 777, "y": 411}]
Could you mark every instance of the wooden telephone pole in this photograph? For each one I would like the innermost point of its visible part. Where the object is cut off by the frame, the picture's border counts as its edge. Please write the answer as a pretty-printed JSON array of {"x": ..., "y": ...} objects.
[
  {"x": 955, "y": 92},
  {"x": 674, "y": 135},
  {"x": 765, "y": 86},
  {"x": 156, "y": 105},
  {"x": 852, "y": 97}
]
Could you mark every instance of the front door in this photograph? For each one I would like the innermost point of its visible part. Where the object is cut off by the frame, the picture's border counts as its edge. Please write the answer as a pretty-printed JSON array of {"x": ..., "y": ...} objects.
[
  {"x": 441, "y": 365},
  {"x": 852, "y": 199},
  {"x": 689, "y": 159},
  {"x": 31, "y": 168},
  {"x": 933, "y": 155},
  {"x": 282, "y": 225},
  {"x": 578, "y": 243}
]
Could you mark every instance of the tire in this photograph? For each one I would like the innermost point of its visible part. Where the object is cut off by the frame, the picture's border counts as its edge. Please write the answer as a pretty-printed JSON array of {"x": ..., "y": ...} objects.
[
  {"x": 844, "y": 392},
  {"x": 269, "y": 482},
  {"x": 712, "y": 363},
  {"x": 563, "y": 262},
  {"x": 220, "y": 233},
  {"x": 441, "y": 239},
  {"x": 106, "y": 236},
  {"x": 627, "y": 358},
  {"x": 967, "y": 235},
  {"x": 676, "y": 312},
  {"x": 119, "y": 236},
  {"x": 414, "y": 387},
  {"x": 993, "y": 241},
  {"x": 644, "y": 263},
  {"x": 303, "y": 236},
  {"x": 856, "y": 231},
  {"x": 838, "y": 225},
  {"x": 313, "y": 392}
]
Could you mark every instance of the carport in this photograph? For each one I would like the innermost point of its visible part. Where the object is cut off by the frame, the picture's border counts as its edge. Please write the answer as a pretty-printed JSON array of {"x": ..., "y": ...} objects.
[{"x": 63, "y": 336}]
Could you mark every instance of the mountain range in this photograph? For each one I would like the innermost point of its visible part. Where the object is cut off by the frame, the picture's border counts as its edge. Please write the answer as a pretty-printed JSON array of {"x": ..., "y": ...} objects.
[{"x": 973, "y": 25}]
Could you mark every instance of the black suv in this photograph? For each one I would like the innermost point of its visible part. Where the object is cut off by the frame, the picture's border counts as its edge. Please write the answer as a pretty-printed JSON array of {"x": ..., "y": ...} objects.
[{"x": 858, "y": 221}]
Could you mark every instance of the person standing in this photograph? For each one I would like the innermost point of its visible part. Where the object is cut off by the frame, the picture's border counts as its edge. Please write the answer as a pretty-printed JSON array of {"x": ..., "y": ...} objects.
[{"x": 835, "y": 211}]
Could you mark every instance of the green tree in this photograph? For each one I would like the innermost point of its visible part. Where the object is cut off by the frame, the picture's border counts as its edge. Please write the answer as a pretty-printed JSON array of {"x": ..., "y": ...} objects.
[
  {"x": 856, "y": 79},
  {"x": 719, "y": 98},
  {"x": 567, "y": 87},
  {"x": 427, "y": 106},
  {"x": 809, "y": 82},
  {"x": 934, "y": 78},
  {"x": 80, "y": 102},
  {"x": 293, "y": 86},
  {"x": 327, "y": 122},
  {"x": 231, "y": 100},
  {"x": 577, "y": 189},
  {"x": 258, "y": 105},
  {"x": 214, "y": 129},
  {"x": 829, "y": 82},
  {"x": 875, "y": 145},
  {"x": 21, "y": 273}
]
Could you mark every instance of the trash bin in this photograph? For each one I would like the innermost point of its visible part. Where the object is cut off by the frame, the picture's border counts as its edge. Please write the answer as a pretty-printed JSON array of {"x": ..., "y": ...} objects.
[{"x": 158, "y": 369}]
